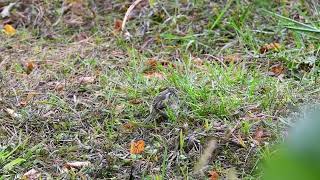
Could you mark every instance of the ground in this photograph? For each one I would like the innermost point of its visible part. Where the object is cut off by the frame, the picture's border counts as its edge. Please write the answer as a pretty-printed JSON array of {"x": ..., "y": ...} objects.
[{"x": 74, "y": 88}]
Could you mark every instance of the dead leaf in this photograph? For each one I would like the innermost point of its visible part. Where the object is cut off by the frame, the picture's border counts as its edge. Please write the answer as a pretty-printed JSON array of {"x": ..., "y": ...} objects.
[
  {"x": 270, "y": 47},
  {"x": 128, "y": 127},
  {"x": 31, "y": 175},
  {"x": 117, "y": 25},
  {"x": 77, "y": 164},
  {"x": 80, "y": 37},
  {"x": 135, "y": 101},
  {"x": 86, "y": 80},
  {"x": 276, "y": 70},
  {"x": 213, "y": 175},
  {"x": 137, "y": 147},
  {"x": 232, "y": 58},
  {"x": 198, "y": 61},
  {"x": 12, "y": 113},
  {"x": 258, "y": 135},
  {"x": 9, "y": 30},
  {"x": 151, "y": 75},
  {"x": 30, "y": 95},
  {"x": 30, "y": 65},
  {"x": 59, "y": 86},
  {"x": 152, "y": 63}
]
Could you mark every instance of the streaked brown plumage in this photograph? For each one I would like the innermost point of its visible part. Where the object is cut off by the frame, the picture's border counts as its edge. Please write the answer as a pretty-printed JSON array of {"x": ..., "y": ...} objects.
[{"x": 166, "y": 99}]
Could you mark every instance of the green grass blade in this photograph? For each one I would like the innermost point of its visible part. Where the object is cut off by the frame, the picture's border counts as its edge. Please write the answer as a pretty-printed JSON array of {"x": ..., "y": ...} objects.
[
  {"x": 288, "y": 19},
  {"x": 224, "y": 10},
  {"x": 12, "y": 164},
  {"x": 164, "y": 163},
  {"x": 303, "y": 29}
]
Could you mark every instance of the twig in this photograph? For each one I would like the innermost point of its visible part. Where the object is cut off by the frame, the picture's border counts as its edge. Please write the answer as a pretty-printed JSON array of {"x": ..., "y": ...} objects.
[{"x": 128, "y": 13}]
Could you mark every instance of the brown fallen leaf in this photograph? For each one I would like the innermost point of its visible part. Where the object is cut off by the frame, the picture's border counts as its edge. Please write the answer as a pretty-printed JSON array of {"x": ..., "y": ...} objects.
[
  {"x": 117, "y": 25},
  {"x": 213, "y": 175},
  {"x": 198, "y": 61},
  {"x": 151, "y": 75},
  {"x": 59, "y": 86},
  {"x": 258, "y": 135},
  {"x": 137, "y": 147},
  {"x": 270, "y": 47},
  {"x": 31, "y": 175},
  {"x": 152, "y": 63},
  {"x": 29, "y": 66},
  {"x": 86, "y": 80},
  {"x": 276, "y": 70},
  {"x": 135, "y": 101},
  {"x": 25, "y": 101},
  {"x": 232, "y": 58},
  {"x": 128, "y": 127},
  {"x": 9, "y": 30},
  {"x": 80, "y": 37}
]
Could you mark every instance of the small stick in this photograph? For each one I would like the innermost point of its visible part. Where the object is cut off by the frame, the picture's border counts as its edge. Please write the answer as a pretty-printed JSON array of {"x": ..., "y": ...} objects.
[{"x": 128, "y": 13}]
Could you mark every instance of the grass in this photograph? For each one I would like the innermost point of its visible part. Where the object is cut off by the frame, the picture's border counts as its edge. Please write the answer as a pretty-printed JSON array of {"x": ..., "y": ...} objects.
[{"x": 87, "y": 121}]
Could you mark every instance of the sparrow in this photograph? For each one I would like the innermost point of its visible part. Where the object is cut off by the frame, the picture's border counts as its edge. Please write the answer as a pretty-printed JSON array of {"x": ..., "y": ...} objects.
[{"x": 166, "y": 99}]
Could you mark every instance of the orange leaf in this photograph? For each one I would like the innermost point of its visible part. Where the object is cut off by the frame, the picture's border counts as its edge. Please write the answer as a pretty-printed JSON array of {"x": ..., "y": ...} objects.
[
  {"x": 151, "y": 75},
  {"x": 270, "y": 47},
  {"x": 9, "y": 30},
  {"x": 30, "y": 66},
  {"x": 152, "y": 63},
  {"x": 276, "y": 70},
  {"x": 213, "y": 175},
  {"x": 117, "y": 25},
  {"x": 137, "y": 147}
]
